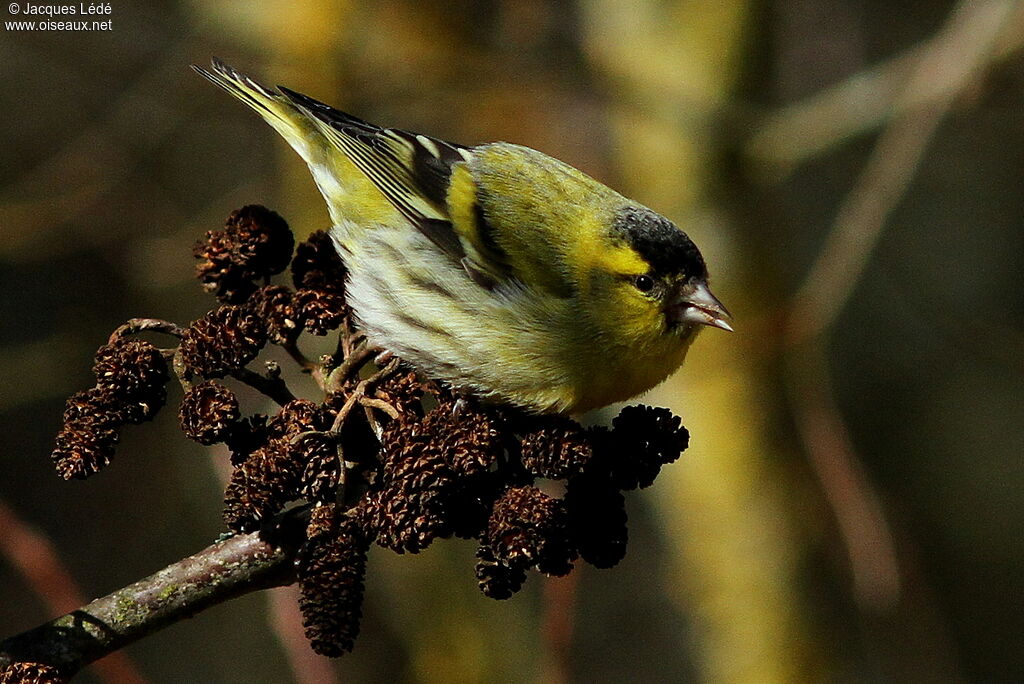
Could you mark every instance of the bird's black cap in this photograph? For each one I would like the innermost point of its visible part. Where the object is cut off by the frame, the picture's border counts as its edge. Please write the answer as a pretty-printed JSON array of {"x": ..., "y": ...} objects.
[{"x": 668, "y": 250}]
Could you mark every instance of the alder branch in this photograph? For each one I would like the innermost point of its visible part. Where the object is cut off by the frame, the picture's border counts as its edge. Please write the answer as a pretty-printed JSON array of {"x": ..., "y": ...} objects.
[{"x": 224, "y": 570}]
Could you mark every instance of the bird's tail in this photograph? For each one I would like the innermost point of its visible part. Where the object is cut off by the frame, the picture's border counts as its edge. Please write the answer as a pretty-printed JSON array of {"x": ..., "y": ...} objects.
[
  {"x": 353, "y": 199},
  {"x": 275, "y": 108}
]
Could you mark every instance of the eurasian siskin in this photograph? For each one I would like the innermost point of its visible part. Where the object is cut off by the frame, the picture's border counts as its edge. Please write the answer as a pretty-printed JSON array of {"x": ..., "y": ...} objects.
[{"x": 496, "y": 268}]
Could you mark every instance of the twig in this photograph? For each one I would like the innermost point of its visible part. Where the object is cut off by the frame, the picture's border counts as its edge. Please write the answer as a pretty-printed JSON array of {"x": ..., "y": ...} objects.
[
  {"x": 354, "y": 360},
  {"x": 180, "y": 371},
  {"x": 958, "y": 53},
  {"x": 375, "y": 426},
  {"x": 358, "y": 395},
  {"x": 137, "y": 325},
  {"x": 953, "y": 57},
  {"x": 224, "y": 570},
  {"x": 350, "y": 354},
  {"x": 858, "y": 510},
  {"x": 381, "y": 405},
  {"x": 293, "y": 350},
  {"x": 867, "y": 100},
  {"x": 274, "y": 387},
  {"x": 348, "y": 340}
]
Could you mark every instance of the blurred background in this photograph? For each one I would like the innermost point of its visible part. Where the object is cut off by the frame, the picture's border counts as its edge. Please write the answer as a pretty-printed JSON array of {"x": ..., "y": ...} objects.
[{"x": 851, "y": 508}]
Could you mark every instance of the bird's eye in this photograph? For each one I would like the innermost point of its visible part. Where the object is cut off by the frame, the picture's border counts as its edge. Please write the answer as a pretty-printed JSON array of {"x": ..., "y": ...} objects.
[{"x": 644, "y": 283}]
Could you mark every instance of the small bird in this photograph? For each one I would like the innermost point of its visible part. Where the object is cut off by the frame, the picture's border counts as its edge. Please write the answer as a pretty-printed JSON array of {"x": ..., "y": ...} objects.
[{"x": 497, "y": 269}]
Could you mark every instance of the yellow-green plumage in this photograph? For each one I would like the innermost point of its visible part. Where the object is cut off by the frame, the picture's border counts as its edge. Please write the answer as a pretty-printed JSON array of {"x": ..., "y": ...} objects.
[{"x": 497, "y": 269}]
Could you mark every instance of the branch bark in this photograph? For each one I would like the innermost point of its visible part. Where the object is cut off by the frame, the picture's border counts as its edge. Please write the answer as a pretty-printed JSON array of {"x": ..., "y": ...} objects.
[{"x": 226, "y": 569}]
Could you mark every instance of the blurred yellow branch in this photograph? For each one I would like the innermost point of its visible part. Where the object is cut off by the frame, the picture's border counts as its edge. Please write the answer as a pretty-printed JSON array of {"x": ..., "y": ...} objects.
[{"x": 735, "y": 551}]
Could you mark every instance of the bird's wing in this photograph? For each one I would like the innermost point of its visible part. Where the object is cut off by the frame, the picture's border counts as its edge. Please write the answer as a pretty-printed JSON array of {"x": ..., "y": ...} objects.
[{"x": 415, "y": 173}]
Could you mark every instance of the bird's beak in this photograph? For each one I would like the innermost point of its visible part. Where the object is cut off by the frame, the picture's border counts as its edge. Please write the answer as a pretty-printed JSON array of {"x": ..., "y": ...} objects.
[{"x": 697, "y": 306}]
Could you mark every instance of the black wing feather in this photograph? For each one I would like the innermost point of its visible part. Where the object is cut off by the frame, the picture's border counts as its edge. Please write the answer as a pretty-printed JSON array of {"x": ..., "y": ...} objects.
[{"x": 428, "y": 169}]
